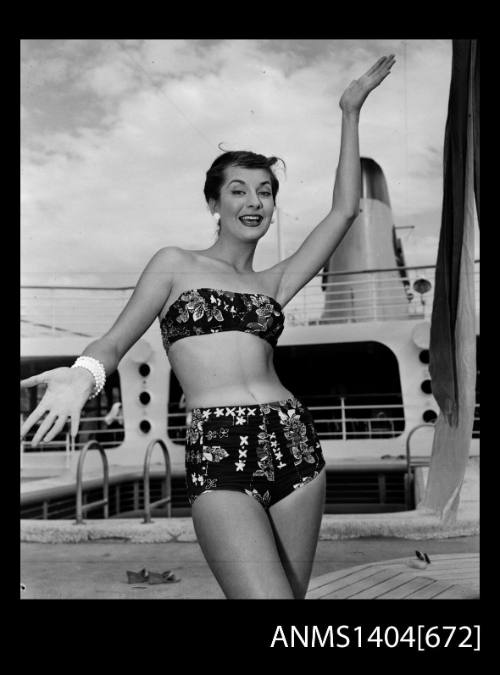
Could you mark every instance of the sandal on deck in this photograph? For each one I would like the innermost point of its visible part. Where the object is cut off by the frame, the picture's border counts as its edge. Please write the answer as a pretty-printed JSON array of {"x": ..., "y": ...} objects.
[{"x": 146, "y": 577}]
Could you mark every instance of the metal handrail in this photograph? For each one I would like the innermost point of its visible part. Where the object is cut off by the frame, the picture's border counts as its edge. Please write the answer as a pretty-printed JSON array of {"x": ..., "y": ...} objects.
[
  {"x": 408, "y": 481},
  {"x": 168, "y": 481},
  {"x": 382, "y": 269},
  {"x": 70, "y": 442},
  {"x": 84, "y": 420},
  {"x": 323, "y": 273},
  {"x": 80, "y": 507},
  {"x": 339, "y": 296}
]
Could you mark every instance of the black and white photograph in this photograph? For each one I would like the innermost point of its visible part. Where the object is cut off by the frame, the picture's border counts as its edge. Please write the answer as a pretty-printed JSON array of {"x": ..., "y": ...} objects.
[{"x": 250, "y": 324}]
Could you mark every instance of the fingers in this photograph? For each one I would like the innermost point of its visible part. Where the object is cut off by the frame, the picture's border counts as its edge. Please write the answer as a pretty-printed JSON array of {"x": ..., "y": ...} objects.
[
  {"x": 382, "y": 76},
  {"x": 383, "y": 63},
  {"x": 57, "y": 428},
  {"x": 389, "y": 62},
  {"x": 44, "y": 427},
  {"x": 381, "y": 71},
  {"x": 51, "y": 426},
  {"x": 375, "y": 66},
  {"x": 33, "y": 418},
  {"x": 33, "y": 381}
]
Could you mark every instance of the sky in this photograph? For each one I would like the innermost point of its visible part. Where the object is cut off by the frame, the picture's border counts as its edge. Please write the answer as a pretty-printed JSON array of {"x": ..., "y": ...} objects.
[{"x": 117, "y": 135}]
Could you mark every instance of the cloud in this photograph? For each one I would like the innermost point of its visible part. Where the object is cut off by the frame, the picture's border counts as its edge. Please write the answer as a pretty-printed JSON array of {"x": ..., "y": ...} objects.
[{"x": 118, "y": 137}]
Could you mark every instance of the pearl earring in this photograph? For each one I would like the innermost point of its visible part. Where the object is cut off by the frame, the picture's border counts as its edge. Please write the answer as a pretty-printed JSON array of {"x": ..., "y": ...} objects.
[{"x": 216, "y": 216}]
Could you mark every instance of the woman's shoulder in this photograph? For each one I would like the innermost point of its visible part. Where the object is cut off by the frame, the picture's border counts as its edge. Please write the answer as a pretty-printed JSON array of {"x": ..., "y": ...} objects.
[
  {"x": 164, "y": 265},
  {"x": 171, "y": 253},
  {"x": 170, "y": 258},
  {"x": 183, "y": 259}
]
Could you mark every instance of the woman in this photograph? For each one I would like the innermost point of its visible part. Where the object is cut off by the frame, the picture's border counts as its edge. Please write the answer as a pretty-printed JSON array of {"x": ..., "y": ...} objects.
[{"x": 254, "y": 468}]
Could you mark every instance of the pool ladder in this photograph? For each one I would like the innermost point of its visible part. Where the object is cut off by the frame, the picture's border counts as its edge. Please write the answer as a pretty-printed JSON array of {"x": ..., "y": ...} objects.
[
  {"x": 81, "y": 507},
  {"x": 409, "y": 469},
  {"x": 168, "y": 481}
]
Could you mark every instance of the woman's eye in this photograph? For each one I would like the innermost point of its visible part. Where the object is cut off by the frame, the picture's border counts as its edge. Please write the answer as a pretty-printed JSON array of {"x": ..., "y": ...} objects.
[{"x": 242, "y": 192}]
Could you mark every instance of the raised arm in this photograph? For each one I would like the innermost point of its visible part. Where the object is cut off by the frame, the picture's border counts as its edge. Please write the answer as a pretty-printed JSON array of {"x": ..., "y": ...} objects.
[
  {"x": 69, "y": 388},
  {"x": 298, "y": 269}
]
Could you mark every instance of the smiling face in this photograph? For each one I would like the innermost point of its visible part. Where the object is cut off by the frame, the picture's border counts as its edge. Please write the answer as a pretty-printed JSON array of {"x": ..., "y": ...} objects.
[{"x": 246, "y": 202}]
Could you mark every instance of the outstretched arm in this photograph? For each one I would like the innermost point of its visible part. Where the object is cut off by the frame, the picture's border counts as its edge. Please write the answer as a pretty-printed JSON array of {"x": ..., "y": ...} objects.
[
  {"x": 295, "y": 271},
  {"x": 68, "y": 388}
]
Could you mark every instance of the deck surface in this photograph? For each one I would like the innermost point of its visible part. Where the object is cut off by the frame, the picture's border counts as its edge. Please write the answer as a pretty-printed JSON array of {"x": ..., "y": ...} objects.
[{"x": 449, "y": 576}]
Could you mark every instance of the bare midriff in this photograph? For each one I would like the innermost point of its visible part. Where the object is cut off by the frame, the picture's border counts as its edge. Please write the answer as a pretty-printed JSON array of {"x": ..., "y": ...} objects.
[
  {"x": 230, "y": 367},
  {"x": 227, "y": 368}
]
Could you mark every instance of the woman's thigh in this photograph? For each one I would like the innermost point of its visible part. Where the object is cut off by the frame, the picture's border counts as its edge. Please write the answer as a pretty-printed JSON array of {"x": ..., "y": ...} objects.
[
  {"x": 296, "y": 521},
  {"x": 237, "y": 540}
]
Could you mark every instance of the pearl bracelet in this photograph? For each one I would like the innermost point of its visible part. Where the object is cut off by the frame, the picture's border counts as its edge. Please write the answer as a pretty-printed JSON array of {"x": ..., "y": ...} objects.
[{"x": 97, "y": 370}]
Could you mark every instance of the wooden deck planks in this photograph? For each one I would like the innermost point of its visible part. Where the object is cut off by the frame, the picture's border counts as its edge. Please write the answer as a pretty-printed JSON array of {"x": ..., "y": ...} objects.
[
  {"x": 395, "y": 584},
  {"x": 405, "y": 590},
  {"x": 319, "y": 585},
  {"x": 448, "y": 576},
  {"x": 357, "y": 586}
]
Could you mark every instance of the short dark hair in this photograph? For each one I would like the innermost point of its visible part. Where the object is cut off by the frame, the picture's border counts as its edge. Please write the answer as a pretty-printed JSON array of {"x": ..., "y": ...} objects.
[{"x": 244, "y": 158}]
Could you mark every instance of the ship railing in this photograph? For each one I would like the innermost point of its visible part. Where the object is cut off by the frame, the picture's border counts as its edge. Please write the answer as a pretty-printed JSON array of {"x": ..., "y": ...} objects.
[
  {"x": 379, "y": 294},
  {"x": 340, "y": 420},
  {"x": 65, "y": 442},
  {"x": 66, "y": 445},
  {"x": 368, "y": 295},
  {"x": 66, "y": 311}
]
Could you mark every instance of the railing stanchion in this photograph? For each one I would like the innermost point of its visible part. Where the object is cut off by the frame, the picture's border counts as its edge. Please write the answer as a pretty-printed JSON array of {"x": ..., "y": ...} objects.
[
  {"x": 409, "y": 482},
  {"x": 80, "y": 507},
  {"x": 67, "y": 451},
  {"x": 342, "y": 412},
  {"x": 168, "y": 481}
]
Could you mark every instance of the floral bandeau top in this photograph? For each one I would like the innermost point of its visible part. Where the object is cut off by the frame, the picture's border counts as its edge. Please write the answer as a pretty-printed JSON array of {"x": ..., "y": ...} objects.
[{"x": 202, "y": 311}]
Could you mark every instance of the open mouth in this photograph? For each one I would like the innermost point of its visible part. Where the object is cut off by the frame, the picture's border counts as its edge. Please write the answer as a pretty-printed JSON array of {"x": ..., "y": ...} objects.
[{"x": 252, "y": 221}]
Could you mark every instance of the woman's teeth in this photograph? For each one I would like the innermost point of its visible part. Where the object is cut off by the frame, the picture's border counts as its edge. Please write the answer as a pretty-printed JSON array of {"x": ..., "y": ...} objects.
[{"x": 251, "y": 220}]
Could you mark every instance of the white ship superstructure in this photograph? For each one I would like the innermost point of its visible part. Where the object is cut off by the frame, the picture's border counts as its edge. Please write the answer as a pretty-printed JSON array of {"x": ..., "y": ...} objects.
[{"x": 355, "y": 349}]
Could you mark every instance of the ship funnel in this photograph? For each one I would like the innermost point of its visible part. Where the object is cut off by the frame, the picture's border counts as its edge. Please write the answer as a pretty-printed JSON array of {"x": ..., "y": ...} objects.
[
  {"x": 373, "y": 183},
  {"x": 370, "y": 244}
]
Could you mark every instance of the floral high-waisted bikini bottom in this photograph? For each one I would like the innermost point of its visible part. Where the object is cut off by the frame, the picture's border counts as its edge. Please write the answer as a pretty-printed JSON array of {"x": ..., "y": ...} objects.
[{"x": 266, "y": 450}]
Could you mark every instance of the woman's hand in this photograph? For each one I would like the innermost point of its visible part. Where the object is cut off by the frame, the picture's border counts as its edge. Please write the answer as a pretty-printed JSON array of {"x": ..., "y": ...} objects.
[
  {"x": 67, "y": 392},
  {"x": 354, "y": 96}
]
